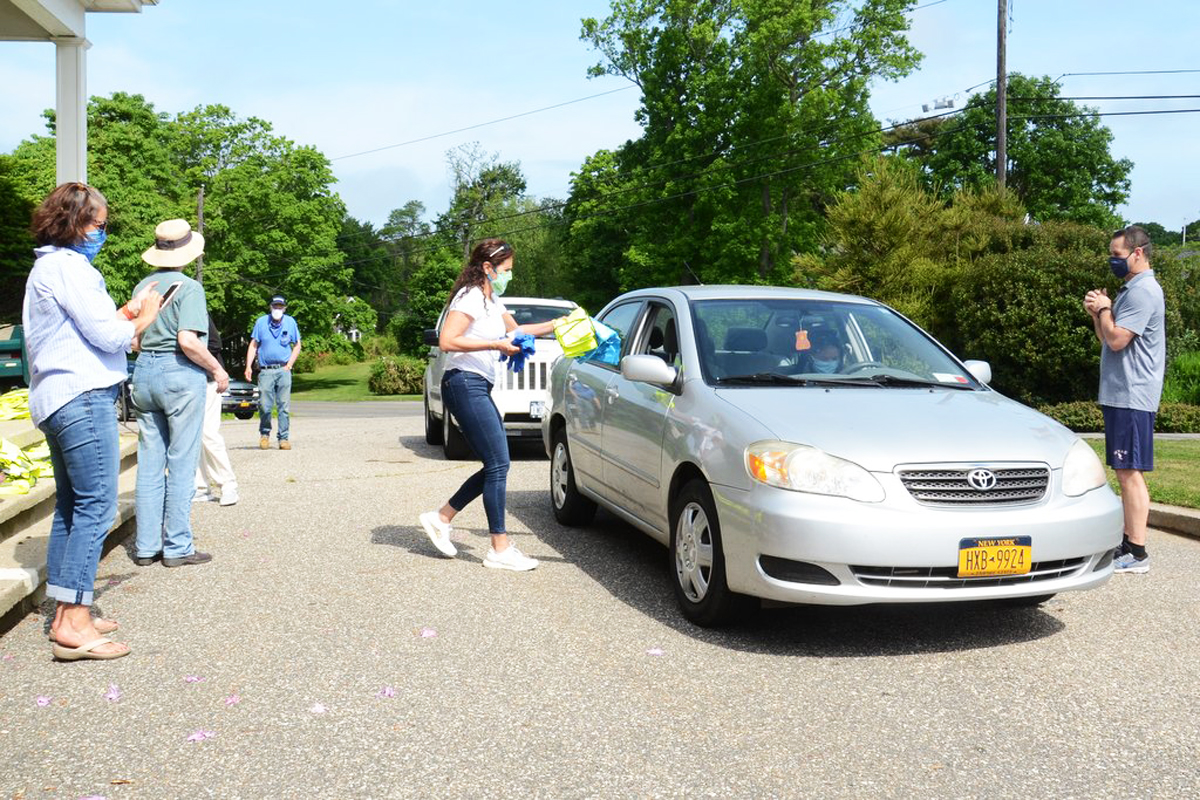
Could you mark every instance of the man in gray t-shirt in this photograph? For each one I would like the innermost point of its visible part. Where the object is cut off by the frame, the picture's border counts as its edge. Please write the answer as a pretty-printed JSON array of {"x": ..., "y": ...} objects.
[{"x": 1133, "y": 359}]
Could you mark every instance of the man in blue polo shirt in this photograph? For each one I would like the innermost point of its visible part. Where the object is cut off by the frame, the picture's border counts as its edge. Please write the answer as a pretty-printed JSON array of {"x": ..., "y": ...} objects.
[
  {"x": 275, "y": 341},
  {"x": 1133, "y": 360}
]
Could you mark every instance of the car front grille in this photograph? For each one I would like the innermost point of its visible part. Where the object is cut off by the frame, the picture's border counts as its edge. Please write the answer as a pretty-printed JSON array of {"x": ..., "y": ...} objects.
[
  {"x": 949, "y": 487},
  {"x": 533, "y": 378},
  {"x": 947, "y": 577},
  {"x": 240, "y": 393}
]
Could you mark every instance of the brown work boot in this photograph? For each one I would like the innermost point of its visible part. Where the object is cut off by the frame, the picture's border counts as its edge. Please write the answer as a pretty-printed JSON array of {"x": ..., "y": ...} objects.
[
  {"x": 264, "y": 442},
  {"x": 284, "y": 444}
]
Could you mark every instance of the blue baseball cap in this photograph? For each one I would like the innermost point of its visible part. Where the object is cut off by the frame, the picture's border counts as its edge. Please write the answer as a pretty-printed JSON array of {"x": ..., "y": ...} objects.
[{"x": 278, "y": 300}]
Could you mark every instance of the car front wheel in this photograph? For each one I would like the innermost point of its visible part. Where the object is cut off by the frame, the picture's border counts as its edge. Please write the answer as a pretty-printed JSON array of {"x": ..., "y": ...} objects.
[
  {"x": 698, "y": 561},
  {"x": 570, "y": 507}
]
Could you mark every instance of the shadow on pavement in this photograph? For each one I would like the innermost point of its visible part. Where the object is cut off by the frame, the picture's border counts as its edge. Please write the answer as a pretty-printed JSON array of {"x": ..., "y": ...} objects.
[
  {"x": 635, "y": 569},
  {"x": 518, "y": 449}
]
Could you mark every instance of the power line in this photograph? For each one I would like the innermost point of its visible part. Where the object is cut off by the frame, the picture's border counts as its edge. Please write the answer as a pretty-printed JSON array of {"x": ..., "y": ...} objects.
[{"x": 481, "y": 124}]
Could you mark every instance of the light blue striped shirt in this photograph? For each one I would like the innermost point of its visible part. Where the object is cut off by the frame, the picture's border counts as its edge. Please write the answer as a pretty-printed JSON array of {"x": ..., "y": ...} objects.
[{"x": 73, "y": 337}]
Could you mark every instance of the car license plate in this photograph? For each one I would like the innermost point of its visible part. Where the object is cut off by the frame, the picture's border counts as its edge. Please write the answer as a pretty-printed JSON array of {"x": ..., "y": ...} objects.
[
  {"x": 985, "y": 557},
  {"x": 537, "y": 408},
  {"x": 244, "y": 404}
]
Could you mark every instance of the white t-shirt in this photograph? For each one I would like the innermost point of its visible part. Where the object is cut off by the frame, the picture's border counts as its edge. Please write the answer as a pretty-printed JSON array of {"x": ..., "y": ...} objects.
[{"x": 487, "y": 323}]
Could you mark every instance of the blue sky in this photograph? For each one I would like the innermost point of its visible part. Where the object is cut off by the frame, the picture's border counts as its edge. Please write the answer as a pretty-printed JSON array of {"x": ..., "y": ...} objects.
[{"x": 358, "y": 76}]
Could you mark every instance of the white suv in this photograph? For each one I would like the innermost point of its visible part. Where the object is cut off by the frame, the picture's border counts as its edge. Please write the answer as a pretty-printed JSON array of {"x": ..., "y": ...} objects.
[{"x": 520, "y": 396}]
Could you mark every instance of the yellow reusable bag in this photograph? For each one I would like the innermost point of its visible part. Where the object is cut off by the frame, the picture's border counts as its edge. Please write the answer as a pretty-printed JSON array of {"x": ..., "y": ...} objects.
[{"x": 575, "y": 334}]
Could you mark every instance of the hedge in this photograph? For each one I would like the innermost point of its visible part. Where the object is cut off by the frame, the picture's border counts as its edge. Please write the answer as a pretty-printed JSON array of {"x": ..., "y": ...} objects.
[
  {"x": 1085, "y": 417},
  {"x": 397, "y": 375}
]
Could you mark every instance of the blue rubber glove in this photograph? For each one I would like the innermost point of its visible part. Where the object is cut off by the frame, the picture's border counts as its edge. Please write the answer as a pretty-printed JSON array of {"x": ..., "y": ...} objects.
[{"x": 517, "y": 362}]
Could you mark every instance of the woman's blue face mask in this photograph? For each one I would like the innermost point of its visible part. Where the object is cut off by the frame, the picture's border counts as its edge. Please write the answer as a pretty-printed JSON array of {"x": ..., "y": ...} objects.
[{"x": 91, "y": 244}]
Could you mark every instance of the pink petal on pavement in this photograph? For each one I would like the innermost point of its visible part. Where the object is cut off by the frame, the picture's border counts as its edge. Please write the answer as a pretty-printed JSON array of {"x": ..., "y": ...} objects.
[
  {"x": 94, "y": 797},
  {"x": 10, "y": 658},
  {"x": 386, "y": 691},
  {"x": 317, "y": 708},
  {"x": 655, "y": 651},
  {"x": 43, "y": 700},
  {"x": 428, "y": 633},
  {"x": 233, "y": 700},
  {"x": 113, "y": 694},
  {"x": 200, "y": 736},
  {"x": 193, "y": 679}
]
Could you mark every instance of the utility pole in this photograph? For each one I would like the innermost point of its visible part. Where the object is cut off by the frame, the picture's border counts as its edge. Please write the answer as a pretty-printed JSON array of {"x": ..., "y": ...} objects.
[
  {"x": 1001, "y": 95},
  {"x": 200, "y": 228}
]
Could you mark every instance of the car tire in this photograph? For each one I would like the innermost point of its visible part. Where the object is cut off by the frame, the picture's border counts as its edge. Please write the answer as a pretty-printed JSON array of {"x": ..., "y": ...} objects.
[
  {"x": 244, "y": 414},
  {"x": 570, "y": 507},
  {"x": 698, "y": 560},
  {"x": 454, "y": 444},
  {"x": 1025, "y": 602},
  {"x": 433, "y": 426}
]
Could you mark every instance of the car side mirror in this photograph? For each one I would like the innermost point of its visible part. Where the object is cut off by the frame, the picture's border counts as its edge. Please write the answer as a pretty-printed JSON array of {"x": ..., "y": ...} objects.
[
  {"x": 649, "y": 369},
  {"x": 980, "y": 370},
  {"x": 430, "y": 337}
]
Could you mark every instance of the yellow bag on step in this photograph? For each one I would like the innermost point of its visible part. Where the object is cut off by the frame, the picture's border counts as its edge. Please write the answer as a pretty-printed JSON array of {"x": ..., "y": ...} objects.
[{"x": 575, "y": 334}]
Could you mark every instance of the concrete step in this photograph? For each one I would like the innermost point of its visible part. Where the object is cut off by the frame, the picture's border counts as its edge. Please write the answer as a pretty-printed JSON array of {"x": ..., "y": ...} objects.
[{"x": 25, "y": 532}]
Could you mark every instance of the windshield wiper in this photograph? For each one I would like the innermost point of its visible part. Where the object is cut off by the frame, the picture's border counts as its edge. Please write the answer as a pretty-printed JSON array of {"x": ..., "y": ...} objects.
[
  {"x": 769, "y": 378},
  {"x": 884, "y": 379}
]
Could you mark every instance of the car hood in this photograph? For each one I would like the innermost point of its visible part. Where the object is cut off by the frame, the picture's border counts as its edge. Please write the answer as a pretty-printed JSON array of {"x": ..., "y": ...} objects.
[{"x": 879, "y": 428}]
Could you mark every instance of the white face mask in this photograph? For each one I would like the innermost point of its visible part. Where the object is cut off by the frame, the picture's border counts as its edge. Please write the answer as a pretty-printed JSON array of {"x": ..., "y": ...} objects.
[{"x": 277, "y": 314}]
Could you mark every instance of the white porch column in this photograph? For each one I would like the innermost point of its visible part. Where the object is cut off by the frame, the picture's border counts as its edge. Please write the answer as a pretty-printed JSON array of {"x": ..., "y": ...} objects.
[{"x": 71, "y": 111}]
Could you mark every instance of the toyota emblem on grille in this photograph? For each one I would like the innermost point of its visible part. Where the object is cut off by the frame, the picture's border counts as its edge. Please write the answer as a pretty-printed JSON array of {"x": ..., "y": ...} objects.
[{"x": 982, "y": 479}]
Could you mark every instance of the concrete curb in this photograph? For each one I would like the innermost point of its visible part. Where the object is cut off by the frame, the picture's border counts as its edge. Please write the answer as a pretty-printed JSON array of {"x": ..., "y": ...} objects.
[{"x": 1173, "y": 519}]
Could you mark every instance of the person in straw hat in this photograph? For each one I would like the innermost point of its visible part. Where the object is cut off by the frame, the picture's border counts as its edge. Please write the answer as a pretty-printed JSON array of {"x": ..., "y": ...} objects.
[{"x": 169, "y": 383}]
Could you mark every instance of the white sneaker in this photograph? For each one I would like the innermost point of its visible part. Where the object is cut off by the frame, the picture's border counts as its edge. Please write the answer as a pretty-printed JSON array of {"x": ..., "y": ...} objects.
[
  {"x": 509, "y": 558},
  {"x": 438, "y": 533},
  {"x": 229, "y": 496},
  {"x": 202, "y": 496}
]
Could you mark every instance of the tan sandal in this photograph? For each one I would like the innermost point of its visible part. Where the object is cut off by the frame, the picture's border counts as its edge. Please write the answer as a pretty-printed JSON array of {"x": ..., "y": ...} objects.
[
  {"x": 103, "y": 627},
  {"x": 85, "y": 651}
]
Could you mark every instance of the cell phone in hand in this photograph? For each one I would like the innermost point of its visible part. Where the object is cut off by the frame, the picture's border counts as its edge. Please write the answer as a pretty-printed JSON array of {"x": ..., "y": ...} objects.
[{"x": 170, "y": 292}]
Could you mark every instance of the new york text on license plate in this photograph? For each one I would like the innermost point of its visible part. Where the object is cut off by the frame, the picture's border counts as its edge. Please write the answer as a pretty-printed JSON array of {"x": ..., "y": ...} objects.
[
  {"x": 537, "y": 408},
  {"x": 987, "y": 557}
]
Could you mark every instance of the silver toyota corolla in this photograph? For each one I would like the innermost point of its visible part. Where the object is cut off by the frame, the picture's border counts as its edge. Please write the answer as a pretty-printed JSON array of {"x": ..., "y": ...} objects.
[{"x": 811, "y": 447}]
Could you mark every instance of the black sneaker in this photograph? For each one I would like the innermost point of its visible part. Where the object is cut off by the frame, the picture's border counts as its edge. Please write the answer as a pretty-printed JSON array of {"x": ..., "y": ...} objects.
[
  {"x": 194, "y": 558},
  {"x": 145, "y": 561}
]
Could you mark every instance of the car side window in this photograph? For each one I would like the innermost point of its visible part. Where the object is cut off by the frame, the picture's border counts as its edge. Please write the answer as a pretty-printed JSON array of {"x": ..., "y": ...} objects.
[
  {"x": 621, "y": 319},
  {"x": 660, "y": 337}
]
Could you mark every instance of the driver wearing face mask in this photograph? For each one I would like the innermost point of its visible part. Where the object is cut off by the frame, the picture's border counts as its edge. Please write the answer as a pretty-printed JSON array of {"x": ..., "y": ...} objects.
[
  {"x": 275, "y": 344},
  {"x": 825, "y": 357}
]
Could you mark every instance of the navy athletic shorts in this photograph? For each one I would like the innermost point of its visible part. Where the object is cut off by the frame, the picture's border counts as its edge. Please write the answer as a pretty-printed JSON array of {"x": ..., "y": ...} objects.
[{"x": 1128, "y": 438}]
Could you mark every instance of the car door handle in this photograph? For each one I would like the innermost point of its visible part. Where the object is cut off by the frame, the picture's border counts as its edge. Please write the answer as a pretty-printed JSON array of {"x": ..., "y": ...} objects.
[{"x": 612, "y": 393}]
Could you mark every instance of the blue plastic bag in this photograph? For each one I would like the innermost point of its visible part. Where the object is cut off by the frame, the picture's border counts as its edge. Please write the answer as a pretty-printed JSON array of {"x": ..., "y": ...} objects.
[
  {"x": 608, "y": 347},
  {"x": 516, "y": 362}
]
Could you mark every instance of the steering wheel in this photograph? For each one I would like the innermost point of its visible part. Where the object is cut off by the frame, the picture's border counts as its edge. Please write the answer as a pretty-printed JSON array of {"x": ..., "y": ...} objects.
[{"x": 863, "y": 365}]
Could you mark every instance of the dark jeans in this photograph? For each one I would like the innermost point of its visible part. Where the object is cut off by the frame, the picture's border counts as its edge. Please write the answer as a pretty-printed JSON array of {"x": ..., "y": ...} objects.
[
  {"x": 84, "y": 450},
  {"x": 468, "y": 397}
]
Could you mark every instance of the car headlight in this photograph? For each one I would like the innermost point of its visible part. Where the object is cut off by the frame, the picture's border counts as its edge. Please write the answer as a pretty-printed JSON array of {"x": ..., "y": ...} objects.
[
  {"x": 1082, "y": 470},
  {"x": 802, "y": 468}
]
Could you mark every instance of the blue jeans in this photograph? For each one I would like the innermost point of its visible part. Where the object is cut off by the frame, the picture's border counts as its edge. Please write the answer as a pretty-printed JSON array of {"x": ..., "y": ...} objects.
[
  {"x": 168, "y": 395},
  {"x": 468, "y": 396},
  {"x": 82, "y": 436},
  {"x": 274, "y": 392}
]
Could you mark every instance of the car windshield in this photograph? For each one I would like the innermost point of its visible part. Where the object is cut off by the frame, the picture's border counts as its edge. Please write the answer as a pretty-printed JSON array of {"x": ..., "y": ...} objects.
[
  {"x": 526, "y": 314},
  {"x": 803, "y": 342}
]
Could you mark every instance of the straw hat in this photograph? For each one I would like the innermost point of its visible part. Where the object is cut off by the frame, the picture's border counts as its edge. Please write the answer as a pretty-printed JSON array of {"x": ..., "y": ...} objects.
[{"x": 175, "y": 245}]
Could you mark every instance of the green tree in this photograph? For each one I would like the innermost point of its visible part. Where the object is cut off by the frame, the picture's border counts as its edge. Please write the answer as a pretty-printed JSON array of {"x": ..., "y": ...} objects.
[
  {"x": 16, "y": 243},
  {"x": 1060, "y": 164},
  {"x": 750, "y": 111}
]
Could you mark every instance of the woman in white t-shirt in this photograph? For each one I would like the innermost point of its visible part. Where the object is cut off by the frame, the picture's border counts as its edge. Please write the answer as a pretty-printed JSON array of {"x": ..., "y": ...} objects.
[{"x": 475, "y": 333}]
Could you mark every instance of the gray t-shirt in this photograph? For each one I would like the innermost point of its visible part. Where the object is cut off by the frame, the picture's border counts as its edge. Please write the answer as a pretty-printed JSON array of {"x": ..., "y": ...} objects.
[{"x": 1132, "y": 377}]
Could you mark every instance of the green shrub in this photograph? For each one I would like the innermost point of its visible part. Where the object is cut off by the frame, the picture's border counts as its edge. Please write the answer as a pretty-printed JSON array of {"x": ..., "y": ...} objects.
[
  {"x": 1182, "y": 384},
  {"x": 1085, "y": 417},
  {"x": 1177, "y": 418},
  {"x": 396, "y": 375},
  {"x": 1082, "y": 416},
  {"x": 380, "y": 345},
  {"x": 319, "y": 351}
]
